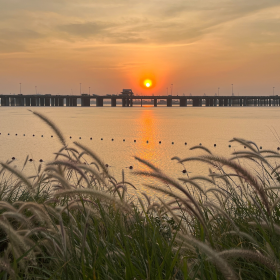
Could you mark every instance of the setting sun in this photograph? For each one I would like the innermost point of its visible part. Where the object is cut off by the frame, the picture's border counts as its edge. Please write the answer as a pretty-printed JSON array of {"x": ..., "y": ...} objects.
[{"x": 147, "y": 83}]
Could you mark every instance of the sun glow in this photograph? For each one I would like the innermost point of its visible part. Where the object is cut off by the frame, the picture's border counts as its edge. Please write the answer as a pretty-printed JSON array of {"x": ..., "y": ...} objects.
[{"x": 148, "y": 83}]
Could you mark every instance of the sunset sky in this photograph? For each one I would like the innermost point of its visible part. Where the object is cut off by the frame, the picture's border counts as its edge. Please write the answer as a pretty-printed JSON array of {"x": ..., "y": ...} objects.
[{"x": 108, "y": 45}]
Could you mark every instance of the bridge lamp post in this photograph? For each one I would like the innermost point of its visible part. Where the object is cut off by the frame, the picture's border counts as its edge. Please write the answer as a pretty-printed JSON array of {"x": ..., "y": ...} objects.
[
  {"x": 19, "y": 88},
  {"x": 167, "y": 90},
  {"x": 89, "y": 90},
  {"x": 273, "y": 91},
  {"x": 232, "y": 89},
  {"x": 171, "y": 88},
  {"x": 80, "y": 88},
  {"x": 218, "y": 91}
]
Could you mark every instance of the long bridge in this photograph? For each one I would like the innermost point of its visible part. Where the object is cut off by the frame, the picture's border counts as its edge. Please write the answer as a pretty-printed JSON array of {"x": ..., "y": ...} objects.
[{"x": 128, "y": 101}]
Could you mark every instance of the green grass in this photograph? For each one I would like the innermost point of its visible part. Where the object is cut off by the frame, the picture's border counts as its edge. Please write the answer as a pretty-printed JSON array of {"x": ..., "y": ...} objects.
[{"x": 75, "y": 221}]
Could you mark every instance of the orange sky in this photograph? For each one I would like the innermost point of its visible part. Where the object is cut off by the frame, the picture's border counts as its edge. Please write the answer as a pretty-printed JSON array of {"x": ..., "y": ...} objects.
[{"x": 109, "y": 45}]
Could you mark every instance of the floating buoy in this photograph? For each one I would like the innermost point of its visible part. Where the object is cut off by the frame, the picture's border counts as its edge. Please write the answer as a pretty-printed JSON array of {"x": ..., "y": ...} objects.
[
  {"x": 184, "y": 171},
  {"x": 33, "y": 135},
  {"x": 23, "y": 134},
  {"x": 112, "y": 139},
  {"x": 159, "y": 142},
  {"x": 260, "y": 147},
  {"x": 147, "y": 141},
  {"x": 123, "y": 140},
  {"x": 30, "y": 159},
  {"x": 52, "y": 136},
  {"x": 130, "y": 167},
  {"x": 42, "y": 135},
  {"x": 80, "y": 137},
  {"x": 229, "y": 146},
  {"x": 8, "y": 133},
  {"x": 41, "y": 160},
  {"x": 16, "y": 134},
  {"x": 90, "y": 138},
  {"x": 172, "y": 143},
  {"x": 214, "y": 145},
  {"x": 0, "y": 133},
  {"x": 278, "y": 148},
  {"x": 13, "y": 158},
  {"x": 106, "y": 165},
  {"x": 134, "y": 140},
  {"x": 101, "y": 138},
  {"x": 185, "y": 143},
  {"x": 199, "y": 144},
  {"x": 244, "y": 147},
  {"x": 70, "y": 137}
]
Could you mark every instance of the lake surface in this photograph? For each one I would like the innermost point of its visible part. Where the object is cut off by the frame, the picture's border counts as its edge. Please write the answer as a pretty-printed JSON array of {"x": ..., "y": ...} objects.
[{"x": 193, "y": 125}]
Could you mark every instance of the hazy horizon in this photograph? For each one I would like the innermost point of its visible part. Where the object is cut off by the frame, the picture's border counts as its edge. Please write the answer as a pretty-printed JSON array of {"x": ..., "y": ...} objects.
[{"x": 198, "y": 46}]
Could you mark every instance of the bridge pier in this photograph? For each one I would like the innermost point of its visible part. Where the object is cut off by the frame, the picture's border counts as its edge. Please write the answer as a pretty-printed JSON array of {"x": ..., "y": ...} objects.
[
  {"x": 85, "y": 101},
  {"x": 211, "y": 102},
  {"x": 74, "y": 102},
  {"x": 99, "y": 102},
  {"x": 183, "y": 102},
  {"x": 67, "y": 101},
  {"x": 33, "y": 101},
  {"x": 113, "y": 102},
  {"x": 155, "y": 102},
  {"x": 61, "y": 101},
  {"x": 130, "y": 102},
  {"x": 207, "y": 102},
  {"x": 141, "y": 102},
  {"x": 221, "y": 102},
  {"x": 5, "y": 101},
  {"x": 42, "y": 101},
  {"x": 27, "y": 101},
  {"x": 47, "y": 101},
  {"x": 169, "y": 102},
  {"x": 197, "y": 102}
]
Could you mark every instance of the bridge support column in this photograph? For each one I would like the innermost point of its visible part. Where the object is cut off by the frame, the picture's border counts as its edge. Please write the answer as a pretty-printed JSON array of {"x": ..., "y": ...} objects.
[
  {"x": 269, "y": 101},
  {"x": 245, "y": 102},
  {"x": 67, "y": 101},
  {"x": 221, "y": 102},
  {"x": 226, "y": 102},
  {"x": 5, "y": 101},
  {"x": 99, "y": 102},
  {"x": 230, "y": 102},
  {"x": 197, "y": 102},
  {"x": 211, "y": 102},
  {"x": 74, "y": 102},
  {"x": 169, "y": 102},
  {"x": 42, "y": 101},
  {"x": 124, "y": 102},
  {"x": 47, "y": 101},
  {"x": 141, "y": 102},
  {"x": 113, "y": 102},
  {"x": 33, "y": 101},
  {"x": 131, "y": 102},
  {"x": 27, "y": 101},
  {"x": 155, "y": 102},
  {"x": 207, "y": 102},
  {"x": 183, "y": 102},
  {"x": 61, "y": 101},
  {"x": 56, "y": 101},
  {"x": 85, "y": 101}
]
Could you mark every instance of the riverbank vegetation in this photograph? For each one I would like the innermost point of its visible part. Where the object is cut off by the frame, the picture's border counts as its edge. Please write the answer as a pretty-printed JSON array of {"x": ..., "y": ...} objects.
[{"x": 73, "y": 220}]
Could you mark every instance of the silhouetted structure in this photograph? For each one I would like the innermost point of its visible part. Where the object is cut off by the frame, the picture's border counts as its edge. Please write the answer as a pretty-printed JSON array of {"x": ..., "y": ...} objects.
[{"x": 127, "y": 98}]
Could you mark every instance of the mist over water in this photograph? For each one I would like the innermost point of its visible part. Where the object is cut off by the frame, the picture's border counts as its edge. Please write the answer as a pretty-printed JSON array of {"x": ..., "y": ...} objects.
[{"x": 207, "y": 126}]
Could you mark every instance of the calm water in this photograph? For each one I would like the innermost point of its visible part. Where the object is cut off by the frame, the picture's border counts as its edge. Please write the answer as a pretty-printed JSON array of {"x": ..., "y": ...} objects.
[{"x": 178, "y": 125}]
